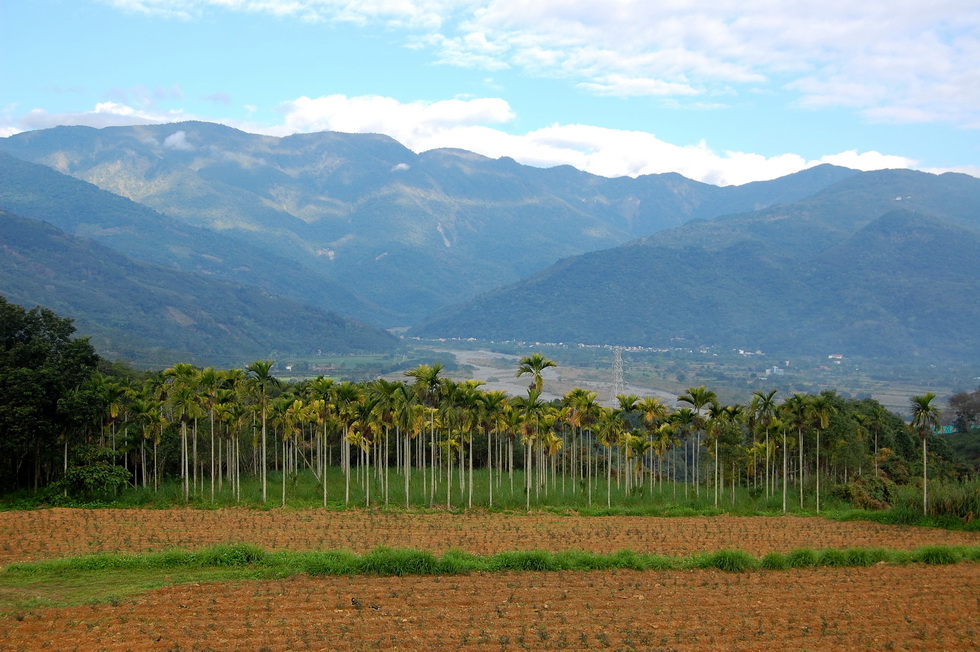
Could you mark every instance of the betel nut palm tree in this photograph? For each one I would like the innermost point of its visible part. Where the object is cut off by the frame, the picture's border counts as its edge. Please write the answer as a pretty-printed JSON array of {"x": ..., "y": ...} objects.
[
  {"x": 763, "y": 408},
  {"x": 796, "y": 415},
  {"x": 534, "y": 364},
  {"x": 697, "y": 398},
  {"x": 261, "y": 373},
  {"x": 821, "y": 409},
  {"x": 925, "y": 418}
]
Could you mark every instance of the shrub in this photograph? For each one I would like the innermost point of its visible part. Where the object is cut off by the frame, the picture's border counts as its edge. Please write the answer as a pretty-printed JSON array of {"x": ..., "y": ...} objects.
[
  {"x": 94, "y": 476},
  {"x": 867, "y": 492}
]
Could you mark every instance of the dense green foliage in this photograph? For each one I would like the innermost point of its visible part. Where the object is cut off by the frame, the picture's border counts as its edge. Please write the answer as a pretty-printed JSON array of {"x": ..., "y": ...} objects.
[{"x": 42, "y": 402}]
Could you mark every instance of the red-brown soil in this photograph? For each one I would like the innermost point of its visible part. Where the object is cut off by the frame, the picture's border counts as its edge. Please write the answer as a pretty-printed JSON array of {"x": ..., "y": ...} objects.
[
  {"x": 884, "y": 607},
  {"x": 51, "y": 533}
]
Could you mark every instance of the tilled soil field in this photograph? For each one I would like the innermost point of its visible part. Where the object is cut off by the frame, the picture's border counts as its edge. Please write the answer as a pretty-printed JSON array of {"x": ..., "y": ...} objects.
[
  {"x": 879, "y": 608},
  {"x": 52, "y": 533}
]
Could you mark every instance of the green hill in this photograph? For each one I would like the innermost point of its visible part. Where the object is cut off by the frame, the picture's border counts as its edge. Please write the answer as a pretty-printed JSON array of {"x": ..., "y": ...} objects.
[{"x": 157, "y": 315}]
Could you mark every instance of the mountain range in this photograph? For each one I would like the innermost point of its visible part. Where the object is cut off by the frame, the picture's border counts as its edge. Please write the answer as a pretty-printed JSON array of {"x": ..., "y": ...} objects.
[
  {"x": 828, "y": 260},
  {"x": 406, "y": 234}
]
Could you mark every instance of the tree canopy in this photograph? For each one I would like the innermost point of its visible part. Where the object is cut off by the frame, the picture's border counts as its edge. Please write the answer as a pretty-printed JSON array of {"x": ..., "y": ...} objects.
[{"x": 42, "y": 369}]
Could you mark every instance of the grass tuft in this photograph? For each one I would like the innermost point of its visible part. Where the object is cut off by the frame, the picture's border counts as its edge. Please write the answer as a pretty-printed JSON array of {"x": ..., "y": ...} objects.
[
  {"x": 774, "y": 561},
  {"x": 936, "y": 555},
  {"x": 733, "y": 561},
  {"x": 802, "y": 558}
]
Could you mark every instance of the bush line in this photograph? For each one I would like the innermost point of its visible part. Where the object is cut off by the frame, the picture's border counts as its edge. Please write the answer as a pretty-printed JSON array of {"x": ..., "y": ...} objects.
[{"x": 384, "y": 561}]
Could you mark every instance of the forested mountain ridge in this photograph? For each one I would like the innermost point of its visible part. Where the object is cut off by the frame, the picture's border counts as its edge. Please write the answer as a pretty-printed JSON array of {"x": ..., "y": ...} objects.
[
  {"x": 145, "y": 312},
  {"x": 405, "y": 233},
  {"x": 859, "y": 269}
]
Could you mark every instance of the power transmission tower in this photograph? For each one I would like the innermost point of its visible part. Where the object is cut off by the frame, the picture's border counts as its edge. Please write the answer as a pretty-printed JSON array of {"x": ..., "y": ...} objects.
[{"x": 618, "y": 384}]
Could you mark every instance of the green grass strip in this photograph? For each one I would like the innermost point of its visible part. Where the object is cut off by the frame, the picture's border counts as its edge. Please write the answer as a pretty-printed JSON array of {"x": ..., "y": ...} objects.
[{"x": 384, "y": 561}]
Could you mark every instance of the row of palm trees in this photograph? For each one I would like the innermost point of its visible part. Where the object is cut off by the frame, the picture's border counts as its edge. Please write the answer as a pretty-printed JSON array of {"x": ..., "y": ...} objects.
[{"x": 432, "y": 430}]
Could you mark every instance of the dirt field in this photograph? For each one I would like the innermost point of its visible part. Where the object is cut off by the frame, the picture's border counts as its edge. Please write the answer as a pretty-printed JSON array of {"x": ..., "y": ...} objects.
[
  {"x": 45, "y": 534},
  {"x": 914, "y": 607},
  {"x": 884, "y": 607}
]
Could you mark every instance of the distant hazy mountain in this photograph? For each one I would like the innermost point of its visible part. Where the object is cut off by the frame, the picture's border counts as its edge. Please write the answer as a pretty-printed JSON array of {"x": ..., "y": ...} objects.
[
  {"x": 403, "y": 234},
  {"x": 157, "y": 315},
  {"x": 881, "y": 264}
]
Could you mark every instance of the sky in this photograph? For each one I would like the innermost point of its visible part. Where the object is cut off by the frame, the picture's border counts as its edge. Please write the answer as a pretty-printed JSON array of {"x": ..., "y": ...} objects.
[{"x": 722, "y": 91}]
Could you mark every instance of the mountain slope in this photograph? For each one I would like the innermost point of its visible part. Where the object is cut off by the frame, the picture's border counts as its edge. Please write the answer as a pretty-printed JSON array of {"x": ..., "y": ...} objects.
[
  {"x": 830, "y": 274},
  {"x": 405, "y": 233},
  {"x": 156, "y": 315},
  {"x": 84, "y": 210}
]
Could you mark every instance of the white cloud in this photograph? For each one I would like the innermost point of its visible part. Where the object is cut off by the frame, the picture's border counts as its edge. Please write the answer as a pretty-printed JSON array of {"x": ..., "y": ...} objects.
[
  {"x": 105, "y": 114},
  {"x": 412, "y": 122},
  {"x": 623, "y": 86},
  {"x": 972, "y": 170},
  {"x": 178, "y": 141},
  {"x": 889, "y": 60},
  {"x": 399, "y": 13},
  {"x": 469, "y": 124},
  {"x": 867, "y": 160}
]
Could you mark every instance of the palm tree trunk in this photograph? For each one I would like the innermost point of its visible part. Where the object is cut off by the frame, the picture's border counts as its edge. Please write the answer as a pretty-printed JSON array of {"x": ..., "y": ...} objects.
[
  {"x": 588, "y": 470},
  {"x": 432, "y": 457},
  {"x": 263, "y": 455},
  {"x": 345, "y": 462},
  {"x": 183, "y": 453},
  {"x": 925, "y": 480},
  {"x": 801, "y": 468},
  {"x": 408, "y": 466},
  {"x": 785, "y": 462},
  {"x": 717, "y": 478},
  {"x": 767, "y": 462},
  {"x": 212, "y": 455},
  {"x": 609, "y": 478},
  {"x": 156, "y": 475},
  {"x": 489, "y": 468},
  {"x": 194, "y": 447},
  {"x": 817, "y": 470},
  {"x": 527, "y": 475}
]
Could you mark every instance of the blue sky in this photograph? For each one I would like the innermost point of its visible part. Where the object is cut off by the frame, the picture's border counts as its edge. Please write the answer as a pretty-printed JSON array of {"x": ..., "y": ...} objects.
[{"x": 724, "y": 91}]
